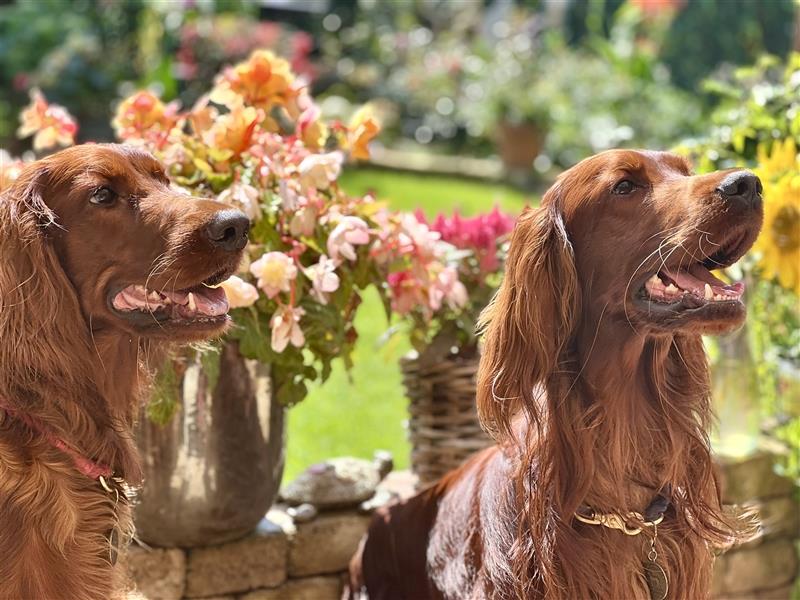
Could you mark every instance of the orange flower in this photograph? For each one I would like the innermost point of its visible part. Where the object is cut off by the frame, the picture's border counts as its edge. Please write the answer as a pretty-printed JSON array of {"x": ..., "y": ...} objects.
[
  {"x": 363, "y": 127},
  {"x": 263, "y": 81},
  {"x": 311, "y": 129},
  {"x": 144, "y": 116},
  {"x": 233, "y": 131},
  {"x": 51, "y": 123},
  {"x": 202, "y": 115}
]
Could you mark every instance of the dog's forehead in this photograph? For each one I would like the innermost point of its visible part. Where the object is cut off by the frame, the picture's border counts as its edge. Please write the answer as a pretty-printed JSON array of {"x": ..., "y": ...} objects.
[
  {"x": 124, "y": 161},
  {"x": 91, "y": 163},
  {"x": 666, "y": 162},
  {"x": 647, "y": 162}
]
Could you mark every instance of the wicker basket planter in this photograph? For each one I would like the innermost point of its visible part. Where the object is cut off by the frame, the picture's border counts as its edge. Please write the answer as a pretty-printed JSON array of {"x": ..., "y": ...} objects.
[{"x": 443, "y": 421}]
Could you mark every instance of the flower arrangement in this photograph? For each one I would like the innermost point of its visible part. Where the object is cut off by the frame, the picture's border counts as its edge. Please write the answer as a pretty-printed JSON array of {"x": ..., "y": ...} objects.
[
  {"x": 257, "y": 141},
  {"x": 444, "y": 273}
]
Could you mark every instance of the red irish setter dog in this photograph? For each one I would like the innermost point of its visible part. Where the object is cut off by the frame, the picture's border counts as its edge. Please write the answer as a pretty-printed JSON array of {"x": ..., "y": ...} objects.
[
  {"x": 100, "y": 261},
  {"x": 594, "y": 382}
]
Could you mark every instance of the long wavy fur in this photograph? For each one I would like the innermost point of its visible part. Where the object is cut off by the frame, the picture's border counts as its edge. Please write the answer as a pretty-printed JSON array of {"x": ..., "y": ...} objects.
[
  {"x": 55, "y": 524},
  {"x": 571, "y": 444}
]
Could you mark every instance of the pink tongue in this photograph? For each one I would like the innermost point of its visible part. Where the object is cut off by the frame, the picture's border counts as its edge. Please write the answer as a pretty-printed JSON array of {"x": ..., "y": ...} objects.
[
  {"x": 176, "y": 297},
  {"x": 211, "y": 301},
  {"x": 697, "y": 276},
  {"x": 695, "y": 279}
]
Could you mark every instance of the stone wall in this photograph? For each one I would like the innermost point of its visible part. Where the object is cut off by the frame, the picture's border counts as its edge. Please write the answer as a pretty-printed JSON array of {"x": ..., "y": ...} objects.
[
  {"x": 766, "y": 566},
  {"x": 283, "y": 560}
]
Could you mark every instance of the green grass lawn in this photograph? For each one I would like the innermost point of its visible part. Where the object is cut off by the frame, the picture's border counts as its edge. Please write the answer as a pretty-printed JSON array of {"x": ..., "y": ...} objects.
[{"x": 355, "y": 415}]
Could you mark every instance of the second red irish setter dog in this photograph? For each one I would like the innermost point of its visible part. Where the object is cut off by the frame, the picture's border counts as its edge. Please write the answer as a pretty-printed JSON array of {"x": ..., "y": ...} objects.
[
  {"x": 100, "y": 261},
  {"x": 594, "y": 382}
]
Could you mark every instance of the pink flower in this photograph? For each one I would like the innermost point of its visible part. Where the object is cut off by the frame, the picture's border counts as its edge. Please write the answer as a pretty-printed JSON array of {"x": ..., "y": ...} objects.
[
  {"x": 349, "y": 232},
  {"x": 275, "y": 272},
  {"x": 239, "y": 292},
  {"x": 323, "y": 278},
  {"x": 10, "y": 169},
  {"x": 320, "y": 170},
  {"x": 285, "y": 325},
  {"x": 481, "y": 234},
  {"x": 407, "y": 292},
  {"x": 446, "y": 287},
  {"x": 51, "y": 124},
  {"x": 416, "y": 238}
]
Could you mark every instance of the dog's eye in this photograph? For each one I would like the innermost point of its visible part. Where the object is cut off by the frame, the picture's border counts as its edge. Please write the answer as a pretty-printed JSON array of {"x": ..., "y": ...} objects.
[
  {"x": 103, "y": 196},
  {"x": 626, "y": 186}
]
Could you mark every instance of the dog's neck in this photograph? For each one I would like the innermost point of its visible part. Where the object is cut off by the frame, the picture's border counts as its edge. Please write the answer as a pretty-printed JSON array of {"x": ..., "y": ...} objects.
[
  {"x": 121, "y": 375},
  {"x": 644, "y": 409}
]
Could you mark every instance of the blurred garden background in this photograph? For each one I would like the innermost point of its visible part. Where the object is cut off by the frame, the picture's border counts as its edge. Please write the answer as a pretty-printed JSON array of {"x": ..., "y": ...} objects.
[{"x": 481, "y": 103}]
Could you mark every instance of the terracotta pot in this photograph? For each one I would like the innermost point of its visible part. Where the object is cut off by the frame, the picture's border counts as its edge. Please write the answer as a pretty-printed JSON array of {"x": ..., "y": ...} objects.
[
  {"x": 519, "y": 144},
  {"x": 212, "y": 472}
]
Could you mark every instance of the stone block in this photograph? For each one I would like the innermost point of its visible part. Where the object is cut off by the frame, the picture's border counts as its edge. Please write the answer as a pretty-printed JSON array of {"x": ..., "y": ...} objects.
[
  {"x": 305, "y": 588},
  {"x": 781, "y": 593},
  {"x": 752, "y": 478},
  {"x": 778, "y": 518},
  {"x": 326, "y": 544},
  {"x": 745, "y": 571},
  {"x": 257, "y": 561},
  {"x": 158, "y": 574}
]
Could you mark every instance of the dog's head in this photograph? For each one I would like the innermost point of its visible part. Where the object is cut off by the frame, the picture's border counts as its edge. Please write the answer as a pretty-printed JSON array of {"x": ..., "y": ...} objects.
[
  {"x": 138, "y": 256},
  {"x": 647, "y": 234},
  {"x": 630, "y": 238}
]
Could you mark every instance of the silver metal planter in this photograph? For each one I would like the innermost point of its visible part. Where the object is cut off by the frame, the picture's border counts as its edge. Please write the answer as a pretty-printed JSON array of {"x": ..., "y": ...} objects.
[{"x": 213, "y": 471}]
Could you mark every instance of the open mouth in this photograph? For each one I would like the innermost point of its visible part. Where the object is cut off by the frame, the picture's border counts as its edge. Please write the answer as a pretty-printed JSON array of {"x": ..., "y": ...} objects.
[
  {"x": 695, "y": 285},
  {"x": 197, "y": 304}
]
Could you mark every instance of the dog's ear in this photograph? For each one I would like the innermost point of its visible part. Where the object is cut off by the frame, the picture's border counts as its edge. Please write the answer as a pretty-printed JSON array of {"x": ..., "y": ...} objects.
[
  {"x": 39, "y": 310},
  {"x": 530, "y": 320}
]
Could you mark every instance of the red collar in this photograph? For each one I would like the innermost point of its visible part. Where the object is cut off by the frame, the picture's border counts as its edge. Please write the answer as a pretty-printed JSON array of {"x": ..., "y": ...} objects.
[{"x": 90, "y": 468}]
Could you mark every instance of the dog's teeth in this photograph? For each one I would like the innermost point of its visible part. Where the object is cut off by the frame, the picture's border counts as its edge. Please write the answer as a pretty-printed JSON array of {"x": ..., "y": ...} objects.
[
  {"x": 709, "y": 293},
  {"x": 672, "y": 289},
  {"x": 191, "y": 304},
  {"x": 154, "y": 296}
]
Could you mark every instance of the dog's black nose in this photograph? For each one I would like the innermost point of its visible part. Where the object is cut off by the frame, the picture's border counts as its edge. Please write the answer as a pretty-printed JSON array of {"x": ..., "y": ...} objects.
[
  {"x": 228, "y": 230},
  {"x": 742, "y": 188}
]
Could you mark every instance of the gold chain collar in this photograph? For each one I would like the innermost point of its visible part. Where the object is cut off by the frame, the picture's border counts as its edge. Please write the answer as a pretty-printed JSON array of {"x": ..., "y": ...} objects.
[{"x": 617, "y": 521}]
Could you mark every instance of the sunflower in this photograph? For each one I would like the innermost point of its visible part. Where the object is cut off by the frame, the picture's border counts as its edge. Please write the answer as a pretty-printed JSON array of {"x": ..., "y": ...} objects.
[{"x": 778, "y": 246}]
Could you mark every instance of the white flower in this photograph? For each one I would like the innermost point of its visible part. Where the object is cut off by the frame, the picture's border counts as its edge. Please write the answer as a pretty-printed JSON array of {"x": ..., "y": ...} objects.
[
  {"x": 239, "y": 292},
  {"x": 285, "y": 325},
  {"x": 275, "y": 271},
  {"x": 244, "y": 197},
  {"x": 319, "y": 170},
  {"x": 323, "y": 278},
  {"x": 349, "y": 232}
]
